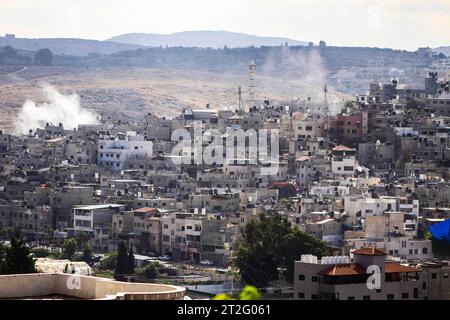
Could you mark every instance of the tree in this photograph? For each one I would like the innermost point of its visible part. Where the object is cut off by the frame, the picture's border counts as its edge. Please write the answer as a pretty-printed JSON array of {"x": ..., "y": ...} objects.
[
  {"x": 18, "y": 259},
  {"x": 297, "y": 243},
  {"x": 43, "y": 57},
  {"x": 349, "y": 104},
  {"x": 87, "y": 253},
  {"x": 10, "y": 52},
  {"x": 257, "y": 256},
  {"x": 130, "y": 264},
  {"x": 151, "y": 271},
  {"x": 109, "y": 262},
  {"x": 69, "y": 248},
  {"x": 122, "y": 262},
  {"x": 270, "y": 243}
]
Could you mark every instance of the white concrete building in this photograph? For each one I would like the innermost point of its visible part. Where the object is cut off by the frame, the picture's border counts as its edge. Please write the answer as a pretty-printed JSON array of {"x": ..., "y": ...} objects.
[{"x": 113, "y": 154}]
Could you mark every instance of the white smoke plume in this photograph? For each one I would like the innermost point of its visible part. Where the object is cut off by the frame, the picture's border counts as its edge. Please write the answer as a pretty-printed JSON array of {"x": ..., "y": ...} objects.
[
  {"x": 297, "y": 64},
  {"x": 307, "y": 69},
  {"x": 65, "y": 109}
]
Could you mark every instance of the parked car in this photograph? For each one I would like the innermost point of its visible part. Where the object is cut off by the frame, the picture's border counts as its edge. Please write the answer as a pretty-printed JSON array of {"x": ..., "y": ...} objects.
[{"x": 206, "y": 263}]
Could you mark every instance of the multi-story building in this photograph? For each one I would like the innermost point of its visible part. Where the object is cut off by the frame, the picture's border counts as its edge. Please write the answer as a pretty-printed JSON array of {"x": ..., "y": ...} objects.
[
  {"x": 113, "y": 154},
  {"x": 97, "y": 222},
  {"x": 342, "y": 278}
]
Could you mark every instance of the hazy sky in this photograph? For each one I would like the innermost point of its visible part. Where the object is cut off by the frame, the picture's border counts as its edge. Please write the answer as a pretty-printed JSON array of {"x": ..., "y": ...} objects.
[{"x": 405, "y": 24}]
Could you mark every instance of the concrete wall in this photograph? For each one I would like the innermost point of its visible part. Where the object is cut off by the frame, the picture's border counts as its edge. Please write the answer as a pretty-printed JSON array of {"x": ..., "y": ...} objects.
[{"x": 44, "y": 284}]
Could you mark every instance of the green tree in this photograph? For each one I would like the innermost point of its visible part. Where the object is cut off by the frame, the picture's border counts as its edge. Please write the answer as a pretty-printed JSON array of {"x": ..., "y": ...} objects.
[
  {"x": 349, "y": 104},
  {"x": 151, "y": 271},
  {"x": 122, "y": 261},
  {"x": 10, "y": 52},
  {"x": 109, "y": 262},
  {"x": 43, "y": 57},
  {"x": 297, "y": 243},
  {"x": 18, "y": 259},
  {"x": 69, "y": 248},
  {"x": 270, "y": 243},
  {"x": 87, "y": 253},
  {"x": 130, "y": 264},
  {"x": 257, "y": 256}
]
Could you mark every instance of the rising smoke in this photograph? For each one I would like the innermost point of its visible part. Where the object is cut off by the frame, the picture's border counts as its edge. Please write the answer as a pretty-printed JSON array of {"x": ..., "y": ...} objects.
[
  {"x": 307, "y": 68},
  {"x": 291, "y": 63},
  {"x": 65, "y": 109}
]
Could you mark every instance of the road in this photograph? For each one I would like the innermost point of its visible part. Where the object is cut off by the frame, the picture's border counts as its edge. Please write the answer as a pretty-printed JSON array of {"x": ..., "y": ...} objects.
[{"x": 13, "y": 78}]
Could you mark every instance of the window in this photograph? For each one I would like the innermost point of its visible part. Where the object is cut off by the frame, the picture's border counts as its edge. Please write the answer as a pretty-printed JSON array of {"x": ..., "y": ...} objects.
[
  {"x": 301, "y": 277},
  {"x": 314, "y": 279},
  {"x": 405, "y": 295},
  {"x": 433, "y": 276},
  {"x": 314, "y": 297},
  {"x": 416, "y": 293},
  {"x": 351, "y": 298},
  {"x": 301, "y": 295},
  {"x": 445, "y": 276},
  {"x": 424, "y": 250},
  {"x": 366, "y": 297},
  {"x": 424, "y": 285},
  {"x": 390, "y": 297}
]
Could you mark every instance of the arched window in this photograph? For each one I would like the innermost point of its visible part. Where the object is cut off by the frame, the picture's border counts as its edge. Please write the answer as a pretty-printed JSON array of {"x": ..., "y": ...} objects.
[{"x": 424, "y": 250}]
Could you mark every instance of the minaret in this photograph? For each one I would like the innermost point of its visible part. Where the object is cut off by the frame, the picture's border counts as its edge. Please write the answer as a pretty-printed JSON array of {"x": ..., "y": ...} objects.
[
  {"x": 252, "y": 74},
  {"x": 240, "y": 98}
]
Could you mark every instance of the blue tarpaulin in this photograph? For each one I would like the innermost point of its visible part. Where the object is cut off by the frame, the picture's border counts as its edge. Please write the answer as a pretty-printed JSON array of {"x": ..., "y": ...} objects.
[{"x": 441, "y": 231}]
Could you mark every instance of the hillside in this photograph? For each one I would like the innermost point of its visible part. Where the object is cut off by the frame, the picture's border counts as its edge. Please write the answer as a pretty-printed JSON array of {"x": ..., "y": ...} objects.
[
  {"x": 131, "y": 92},
  {"x": 281, "y": 60},
  {"x": 64, "y": 46},
  {"x": 203, "y": 39},
  {"x": 443, "y": 50}
]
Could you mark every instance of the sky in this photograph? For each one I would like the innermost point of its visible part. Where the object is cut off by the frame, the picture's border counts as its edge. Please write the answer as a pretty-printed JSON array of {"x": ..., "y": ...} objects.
[{"x": 399, "y": 24}]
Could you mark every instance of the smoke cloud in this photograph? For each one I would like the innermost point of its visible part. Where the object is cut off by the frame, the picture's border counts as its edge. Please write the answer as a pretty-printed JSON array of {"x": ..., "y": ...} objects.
[
  {"x": 65, "y": 109},
  {"x": 307, "y": 69},
  {"x": 291, "y": 63}
]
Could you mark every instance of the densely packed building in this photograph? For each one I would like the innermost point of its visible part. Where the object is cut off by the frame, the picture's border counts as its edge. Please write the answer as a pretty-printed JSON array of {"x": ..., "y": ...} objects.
[{"x": 375, "y": 175}]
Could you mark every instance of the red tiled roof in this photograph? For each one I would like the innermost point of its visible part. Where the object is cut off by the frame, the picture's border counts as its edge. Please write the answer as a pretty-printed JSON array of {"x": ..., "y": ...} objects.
[
  {"x": 281, "y": 184},
  {"x": 343, "y": 148},
  {"x": 392, "y": 267},
  {"x": 348, "y": 269},
  {"x": 370, "y": 252}
]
